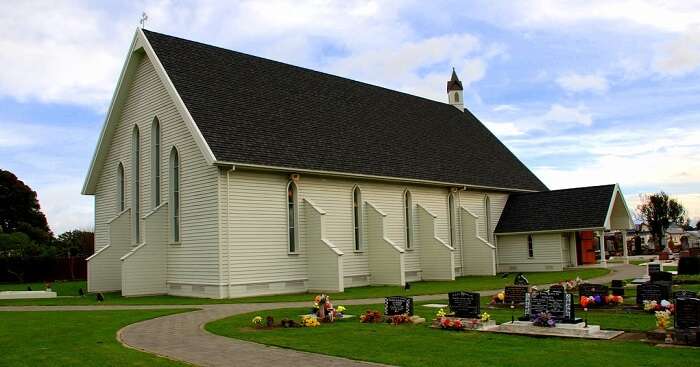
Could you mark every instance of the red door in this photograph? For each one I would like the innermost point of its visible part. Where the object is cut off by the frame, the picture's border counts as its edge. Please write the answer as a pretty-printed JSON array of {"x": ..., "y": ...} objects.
[{"x": 587, "y": 247}]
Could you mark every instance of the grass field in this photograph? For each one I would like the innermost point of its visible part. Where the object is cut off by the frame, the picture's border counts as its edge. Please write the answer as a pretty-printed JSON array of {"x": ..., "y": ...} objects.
[
  {"x": 474, "y": 283},
  {"x": 419, "y": 345},
  {"x": 73, "y": 338}
]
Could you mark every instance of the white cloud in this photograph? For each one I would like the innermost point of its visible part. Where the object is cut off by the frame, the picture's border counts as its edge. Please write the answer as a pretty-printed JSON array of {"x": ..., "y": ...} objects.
[
  {"x": 583, "y": 82},
  {"x": 680, "y": 56},
  {"x": 577, "y": 115},
  {"x": 666, "y": 16},
  {"x": 505, "y": 108}
]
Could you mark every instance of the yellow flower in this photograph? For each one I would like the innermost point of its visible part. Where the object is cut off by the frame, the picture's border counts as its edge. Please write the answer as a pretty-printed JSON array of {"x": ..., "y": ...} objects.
[
  {"x": 501, "y": 296},
  {"x": 440, "y": 313},
  {"x": 257, "y": 320},
  {"x": 340, "y": 309},
  {"x": 485, "y": 317}
]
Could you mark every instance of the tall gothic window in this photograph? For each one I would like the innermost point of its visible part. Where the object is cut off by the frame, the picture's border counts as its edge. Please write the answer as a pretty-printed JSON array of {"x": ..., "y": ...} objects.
[
  {"x": 357, "y": 217},
  {"x": 292, "y": 218},
  {"x": 408, "y": 218},
  {"x": 136, "y": 190},
  {"x": 487, "y": 217},
  {"x": 530, "y": 250},
  {"x": 451, "y": 219},
  {"x": 120, "y": 187},
  {"x": 175, "y": 195},
  {"x": 155, "y": 162}
]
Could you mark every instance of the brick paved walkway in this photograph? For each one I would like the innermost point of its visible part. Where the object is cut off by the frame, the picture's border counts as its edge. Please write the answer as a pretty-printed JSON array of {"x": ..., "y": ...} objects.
[{"x": 182, "y": 336}]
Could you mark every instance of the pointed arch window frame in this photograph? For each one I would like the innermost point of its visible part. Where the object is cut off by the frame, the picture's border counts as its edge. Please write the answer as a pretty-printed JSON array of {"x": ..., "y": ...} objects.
[
  {"x": 121, "y": 187},
  {"x": 175, "y": 195},
  {"x": 451, "y": 219},
  {"x": 156, "y": 174},
  {"x": 408, "y": 219},
  {"x": 487, "y": 217},
  {"x": 357, "y": 219},
  {"x": 136, "y": 184},
  {"x": 292, "y": 206}
]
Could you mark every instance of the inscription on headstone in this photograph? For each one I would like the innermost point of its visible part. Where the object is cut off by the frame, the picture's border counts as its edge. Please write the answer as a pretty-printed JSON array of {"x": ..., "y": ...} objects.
[
  {"x": 555, "y": 301},
  {"x": 651, "y": 292},
  {"x": 398, "y": 305},
  {"x": 687, "y": 313},
  {"x": 653, "y": 268},
  {"x": 465, "y": 304},
  {"x": 515, "y": 294},
  {"x": 685, "y": 294}
]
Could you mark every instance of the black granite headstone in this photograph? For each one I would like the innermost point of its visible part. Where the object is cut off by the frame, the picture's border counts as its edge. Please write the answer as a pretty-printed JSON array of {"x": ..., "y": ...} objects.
[
  {"x": 663, "y": 276},
  {"x": 653, "y": 268},
  {"x": 687, "y": 313},
  {"x": 398, "y": 305},
  {"x": 651, "y": 292},
  {"x": 685, "y": 294},
  {"x": 617, "y": 287},
  {"x": 558, "y": 303},
  {"x": 465, "y": 304},
  {"x": 515, "y": 294}
]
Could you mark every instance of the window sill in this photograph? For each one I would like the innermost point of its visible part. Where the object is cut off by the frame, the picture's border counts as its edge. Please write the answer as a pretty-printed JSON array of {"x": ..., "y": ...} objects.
[
  {"x": 176, "y": 243},
  {"x": 359, "y": 252},
  {"x": 409, "y": 249},
  {"x": 292, "y": 254}
]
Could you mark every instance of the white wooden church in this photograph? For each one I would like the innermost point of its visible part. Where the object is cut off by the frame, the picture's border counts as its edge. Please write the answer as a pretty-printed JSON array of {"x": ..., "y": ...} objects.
[{"x": 220, "y": 174}]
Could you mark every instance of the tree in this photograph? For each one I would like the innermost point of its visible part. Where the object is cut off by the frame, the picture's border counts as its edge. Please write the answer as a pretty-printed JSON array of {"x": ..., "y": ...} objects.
[
  {"x": 659, "y": 211},
  {"x": 697, "y": 226},
  {"x": 20, "y": 210},
  {"x": 686, "y": 225},
  {"x": 76, "y": 242}
]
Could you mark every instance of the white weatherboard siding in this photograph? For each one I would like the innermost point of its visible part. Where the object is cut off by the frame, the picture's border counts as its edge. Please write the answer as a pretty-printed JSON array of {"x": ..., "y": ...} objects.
[
  {"x": 193, "y": 268},
  {"x": 479, "y": 254},
  {"x": 437, "y": 260},
  {"x": 513, "y": 254},
  {"x": 386, "y": 260},
  {"x": 474, "y": 202},
  {"x": 144, "y": 267},
  {"x": 325, "y": 260},
  {"x": 104, "y": 268}
]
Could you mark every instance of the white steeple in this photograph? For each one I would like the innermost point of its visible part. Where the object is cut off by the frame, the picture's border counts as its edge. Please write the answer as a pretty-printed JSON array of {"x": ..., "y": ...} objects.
[{"x": 455, "y": 92}]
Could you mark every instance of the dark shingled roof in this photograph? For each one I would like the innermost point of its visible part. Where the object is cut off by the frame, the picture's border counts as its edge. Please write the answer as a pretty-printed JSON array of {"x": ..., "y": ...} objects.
[
  {"x": 252, "y": 110},
  {"x": 582, "y": 207}
]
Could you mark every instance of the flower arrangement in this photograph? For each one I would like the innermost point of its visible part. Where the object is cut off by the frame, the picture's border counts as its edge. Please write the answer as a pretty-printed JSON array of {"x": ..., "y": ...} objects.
[
  {"x": 664, "y": 305},
  {"x": 323, "y": 309},
  {"x": 587, "y": 301},
  {"x": 440, "y": 314},
  {"x": 371, "y": 317},
  {"x": 340, "y": 309},
  {"x": 257, "y": 321},
  {"x": 456, "y": 324},
  {"x": 544, "y": 319},
  {"x": 309, "y": 321},
  {"x": 663, "y": 319},
  {"x": 397, "y": 319},
  {"x": 485, "y": 317},
  {"x": 498, "y": 298},
  {"x": 614, "y": 300},
  {"x": 571, "y": 285}
]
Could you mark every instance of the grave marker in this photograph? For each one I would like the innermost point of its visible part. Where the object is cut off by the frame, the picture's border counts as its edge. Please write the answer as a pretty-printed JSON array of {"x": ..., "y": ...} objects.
[
  {"x": 651, "y": 292},
  {"x": 594, "y": 290},
  {"x": 515, "y": 294},
  {"x": 685, "y": 294},
  {"x": 465, "y": 304},
  {"x": 687, "y": 313},
  {"x": 653, "y": 268},
  {"x": 555, "y": 301},
  {"x": 398, "y": 305}
]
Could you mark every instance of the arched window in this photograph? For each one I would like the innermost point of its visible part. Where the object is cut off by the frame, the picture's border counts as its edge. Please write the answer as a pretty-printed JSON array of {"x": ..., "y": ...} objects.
[
  {"x": 155, "y": 162},
  {"x": 487, "y": 217},
  {"x": 456, "y": 96},
  {"x": 136, "y": 190},
  {"x": 175, "y": 195},
  {"x": 408, "y": 217},
  {"x": 120, "y": 187},
  {"x": 357, "y": 217},
  {"x": 451, "y": 218},
  {"x": 530, "y": 251},
  {"x": 292, "y": 218}
]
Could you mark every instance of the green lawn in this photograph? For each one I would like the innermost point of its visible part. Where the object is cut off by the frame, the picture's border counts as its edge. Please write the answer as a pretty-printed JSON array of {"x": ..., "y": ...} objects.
[
  {"x": 419, "y": 345},
  {"x": 62, "y": 288},
  {"x": 74, "y": 338},
  {"x": 473, "y": 283}
]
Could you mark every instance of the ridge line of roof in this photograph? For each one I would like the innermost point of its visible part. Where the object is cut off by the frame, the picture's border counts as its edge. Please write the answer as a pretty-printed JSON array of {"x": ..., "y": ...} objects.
[
  {"x": 301, "y": 68},
  {"x": 566, "y": 189}
]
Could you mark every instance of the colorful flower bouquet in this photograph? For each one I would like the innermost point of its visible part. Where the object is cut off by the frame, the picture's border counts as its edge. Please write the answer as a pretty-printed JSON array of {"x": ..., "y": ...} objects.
[
  {"x": 498, "y": 298},
  {"x": 597, "y": 300},
  {"x": 371, "y": 317},
  {"x": 571, "y": 285},
  {"x": 544, "y": 319},
  {"x": 663, "y": 319},
  {"x": 257, "y": 322},
  {"x": 309, "y": 321},
  {"x": 450, "y": 324},
  {"x": 324, "y": 311},
  {"x": 397, "y": 319},
  {"x": 664, "y": 305}
]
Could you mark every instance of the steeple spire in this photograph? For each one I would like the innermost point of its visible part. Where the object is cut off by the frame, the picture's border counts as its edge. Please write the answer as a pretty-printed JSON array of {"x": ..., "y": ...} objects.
[{"x": 454, "y": 91}]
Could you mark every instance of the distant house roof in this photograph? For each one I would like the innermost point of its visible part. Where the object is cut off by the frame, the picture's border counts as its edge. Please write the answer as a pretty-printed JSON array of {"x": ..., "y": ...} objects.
[
  {"x": 568, "y": 209},
  {"x": 256, "y": 111}
]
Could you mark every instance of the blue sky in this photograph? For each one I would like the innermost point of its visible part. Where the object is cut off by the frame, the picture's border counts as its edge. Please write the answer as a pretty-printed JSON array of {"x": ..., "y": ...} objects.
[{"x": 584, "y": 93}]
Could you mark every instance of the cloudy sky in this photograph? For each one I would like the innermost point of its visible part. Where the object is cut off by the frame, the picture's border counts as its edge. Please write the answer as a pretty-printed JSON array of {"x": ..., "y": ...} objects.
[{"x": 583, "y": 92}]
